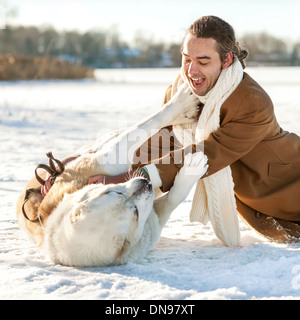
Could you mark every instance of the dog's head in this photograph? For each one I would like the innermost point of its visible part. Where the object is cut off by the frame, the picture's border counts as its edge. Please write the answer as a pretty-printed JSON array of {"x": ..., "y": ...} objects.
[{"x": 98, "y": 224}]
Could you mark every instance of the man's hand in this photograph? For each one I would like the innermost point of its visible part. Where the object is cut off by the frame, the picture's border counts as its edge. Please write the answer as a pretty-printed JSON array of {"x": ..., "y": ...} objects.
[{"x": 108, "y": 179}]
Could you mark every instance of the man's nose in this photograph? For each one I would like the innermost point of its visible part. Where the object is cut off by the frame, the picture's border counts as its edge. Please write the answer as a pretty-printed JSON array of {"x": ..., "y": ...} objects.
[{"x": 193, "y": 68}]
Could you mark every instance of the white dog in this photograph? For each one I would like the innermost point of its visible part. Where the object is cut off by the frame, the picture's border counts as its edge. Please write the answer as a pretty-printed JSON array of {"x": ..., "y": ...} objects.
[{"x": 100, "y": 225}]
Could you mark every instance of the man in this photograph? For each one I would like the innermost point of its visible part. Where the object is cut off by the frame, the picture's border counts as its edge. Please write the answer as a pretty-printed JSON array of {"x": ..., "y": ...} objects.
[{"x": 264, "y": 160}]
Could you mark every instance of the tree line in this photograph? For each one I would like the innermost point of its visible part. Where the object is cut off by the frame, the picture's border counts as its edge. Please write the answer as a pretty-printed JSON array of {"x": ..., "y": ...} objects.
[{"x": 106, "y": 48}]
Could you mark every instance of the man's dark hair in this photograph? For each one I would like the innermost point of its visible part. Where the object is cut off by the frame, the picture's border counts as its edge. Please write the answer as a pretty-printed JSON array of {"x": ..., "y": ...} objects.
[{"x": 223, "y": 33}]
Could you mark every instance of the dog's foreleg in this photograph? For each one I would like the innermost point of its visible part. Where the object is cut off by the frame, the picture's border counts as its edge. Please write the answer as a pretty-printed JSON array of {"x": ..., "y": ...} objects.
[
  {"x": 116, "y": 157},
  {"x": 195, "y": 166}
]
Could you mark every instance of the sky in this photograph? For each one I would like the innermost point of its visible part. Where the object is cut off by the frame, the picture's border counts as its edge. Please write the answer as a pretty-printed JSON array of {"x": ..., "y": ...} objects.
[{"x": 165, "y": 20}]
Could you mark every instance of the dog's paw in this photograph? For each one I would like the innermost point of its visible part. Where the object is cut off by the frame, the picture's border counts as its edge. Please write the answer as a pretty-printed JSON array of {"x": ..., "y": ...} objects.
[
  {"x": 195, "y": 164},
  {"x": 193, "y": 113},
  {"x": 186, "y": 98},
  {"x": 183, "y": 101},
  {"x": 185, "y": 106},
  {"x": 190, "y": 116}
]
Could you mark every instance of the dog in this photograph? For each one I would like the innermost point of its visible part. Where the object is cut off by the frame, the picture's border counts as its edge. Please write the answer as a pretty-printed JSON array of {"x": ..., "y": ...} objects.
[{"x": 100, "y": 225}]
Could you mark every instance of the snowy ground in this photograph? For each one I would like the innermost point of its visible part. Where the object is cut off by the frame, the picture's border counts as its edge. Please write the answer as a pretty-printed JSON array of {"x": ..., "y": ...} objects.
[{"x": 189, "y": 262}]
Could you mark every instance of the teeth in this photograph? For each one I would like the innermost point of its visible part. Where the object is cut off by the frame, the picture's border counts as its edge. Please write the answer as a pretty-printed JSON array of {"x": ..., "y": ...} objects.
[{"x": 198, "y": 80}]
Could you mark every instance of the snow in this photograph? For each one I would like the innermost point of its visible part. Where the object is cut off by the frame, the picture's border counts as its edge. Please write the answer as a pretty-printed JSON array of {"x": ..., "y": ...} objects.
[{"x": 189, "y": 262}]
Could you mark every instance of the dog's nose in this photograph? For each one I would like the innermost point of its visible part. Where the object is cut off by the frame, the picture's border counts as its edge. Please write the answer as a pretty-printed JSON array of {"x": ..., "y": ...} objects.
[
  {"x": 140, "y": 185},
  {"x": 145, "y": 184},
  {"x": 148, "y": 185}
]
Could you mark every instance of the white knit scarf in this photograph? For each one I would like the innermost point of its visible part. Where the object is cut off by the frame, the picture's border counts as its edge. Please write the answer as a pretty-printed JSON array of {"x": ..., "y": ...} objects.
[{"x": 214, "y": 198}]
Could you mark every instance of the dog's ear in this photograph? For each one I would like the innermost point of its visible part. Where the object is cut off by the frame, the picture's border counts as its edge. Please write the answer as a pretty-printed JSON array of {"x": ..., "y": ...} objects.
[{"x": 78, "y": 212}]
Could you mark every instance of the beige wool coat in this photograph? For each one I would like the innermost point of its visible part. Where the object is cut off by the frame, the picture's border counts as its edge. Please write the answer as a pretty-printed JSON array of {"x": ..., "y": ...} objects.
[{"x": 264, "y": 159}]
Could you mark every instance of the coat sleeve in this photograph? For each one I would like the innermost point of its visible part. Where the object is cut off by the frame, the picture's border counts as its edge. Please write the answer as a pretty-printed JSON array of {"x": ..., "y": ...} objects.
[
  {"x": 235, "y": 139},
  {"x": 163, "y": 151}
]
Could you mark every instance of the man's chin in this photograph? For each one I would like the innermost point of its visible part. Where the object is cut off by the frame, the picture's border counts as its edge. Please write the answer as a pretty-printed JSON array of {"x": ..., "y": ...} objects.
[
  {"x": 199, "y": 93},
  {"x": 199, "y": 90}
]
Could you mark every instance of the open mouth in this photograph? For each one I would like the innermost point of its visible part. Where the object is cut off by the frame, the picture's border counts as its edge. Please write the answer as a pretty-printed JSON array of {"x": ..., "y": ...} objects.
[{"x": 197, "y": 82}]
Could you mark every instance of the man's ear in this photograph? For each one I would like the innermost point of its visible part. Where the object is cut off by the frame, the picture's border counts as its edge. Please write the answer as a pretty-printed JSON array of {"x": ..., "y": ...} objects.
[{"x": 228, "y": 61}]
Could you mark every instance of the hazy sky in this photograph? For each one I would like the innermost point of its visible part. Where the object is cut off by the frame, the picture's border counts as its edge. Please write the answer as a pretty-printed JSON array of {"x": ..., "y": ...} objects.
[{"x": 164, "y": 19}]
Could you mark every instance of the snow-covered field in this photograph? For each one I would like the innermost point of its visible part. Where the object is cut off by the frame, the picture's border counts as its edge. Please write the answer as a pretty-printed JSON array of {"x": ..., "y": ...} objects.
[{"x": 189, "y": 262}]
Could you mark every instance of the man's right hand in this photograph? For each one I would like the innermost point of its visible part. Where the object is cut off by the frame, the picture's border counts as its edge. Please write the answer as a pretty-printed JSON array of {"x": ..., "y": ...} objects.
[{"x": 108, "y": 179}]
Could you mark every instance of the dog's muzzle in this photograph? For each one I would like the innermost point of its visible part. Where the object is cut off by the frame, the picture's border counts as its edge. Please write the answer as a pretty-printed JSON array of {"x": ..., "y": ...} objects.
[{"x": 142, "y": 185}]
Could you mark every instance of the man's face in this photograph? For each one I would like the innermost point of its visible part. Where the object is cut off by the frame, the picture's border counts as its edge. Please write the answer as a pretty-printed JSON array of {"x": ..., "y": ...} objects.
[{"x": 201, "y": 63}]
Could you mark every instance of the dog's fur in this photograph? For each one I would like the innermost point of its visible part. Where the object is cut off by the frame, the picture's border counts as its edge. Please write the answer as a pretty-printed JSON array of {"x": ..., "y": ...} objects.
[{"x": 98, "y": 225}]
